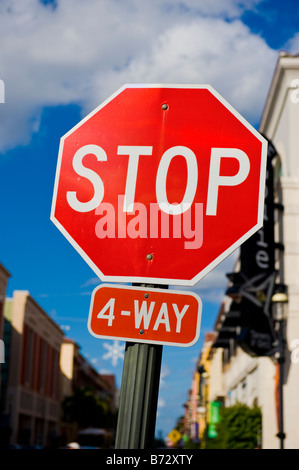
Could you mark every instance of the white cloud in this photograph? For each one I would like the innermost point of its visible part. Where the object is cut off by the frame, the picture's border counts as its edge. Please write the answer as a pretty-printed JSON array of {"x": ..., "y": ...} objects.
[
  {"x": 93, "y": 281},
  {"x": 65, "y": 327},
  {"x": 211, "y": 288},
  {"x": 293, "y": 44},
  {"x": 161, "y": 403},
  {"x": 83, "y": 51},
  {"x": 165, "y": 372},
  {"x": 105, "y": 372},
  {"x": 224, "y": 54}
]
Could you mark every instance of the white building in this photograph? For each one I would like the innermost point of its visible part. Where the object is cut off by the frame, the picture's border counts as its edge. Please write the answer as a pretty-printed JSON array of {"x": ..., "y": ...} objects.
[
  {"x": 280, "y": 123},
  {"x": 254, "y": 380}
]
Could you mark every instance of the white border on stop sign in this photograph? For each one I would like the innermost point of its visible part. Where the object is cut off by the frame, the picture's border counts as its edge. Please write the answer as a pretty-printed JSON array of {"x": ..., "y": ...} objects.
[{"x": 223, "y": 255}]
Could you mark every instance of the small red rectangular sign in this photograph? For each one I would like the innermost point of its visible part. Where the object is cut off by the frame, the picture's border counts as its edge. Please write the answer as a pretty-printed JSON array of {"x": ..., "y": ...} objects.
[{"x": 145, "y": 315}]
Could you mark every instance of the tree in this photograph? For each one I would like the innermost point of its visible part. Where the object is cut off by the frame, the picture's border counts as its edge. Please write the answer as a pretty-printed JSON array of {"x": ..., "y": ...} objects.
[
  {"x": 86, "y": 409},
  {"x": 239, "y": 428}
]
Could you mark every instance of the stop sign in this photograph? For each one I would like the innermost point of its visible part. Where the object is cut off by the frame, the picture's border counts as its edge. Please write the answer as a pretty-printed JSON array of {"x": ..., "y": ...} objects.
[{"x": 159, "y": 184}]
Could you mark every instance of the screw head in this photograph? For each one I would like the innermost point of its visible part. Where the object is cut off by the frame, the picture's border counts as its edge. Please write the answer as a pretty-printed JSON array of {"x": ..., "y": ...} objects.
[
  {"x": 149, "y": 256},
  {"x": 164, "y": 106}
]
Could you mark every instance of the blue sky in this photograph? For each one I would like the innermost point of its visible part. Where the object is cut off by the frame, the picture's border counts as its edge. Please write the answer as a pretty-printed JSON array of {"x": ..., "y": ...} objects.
[{"x": 59, "y": 60}]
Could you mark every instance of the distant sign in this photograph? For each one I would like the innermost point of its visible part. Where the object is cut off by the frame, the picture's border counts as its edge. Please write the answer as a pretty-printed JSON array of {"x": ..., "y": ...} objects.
[
  {"x": 214, "y": 418},
  {"x": 174, "y": 436},
  {"x": 145, "y": 315}
]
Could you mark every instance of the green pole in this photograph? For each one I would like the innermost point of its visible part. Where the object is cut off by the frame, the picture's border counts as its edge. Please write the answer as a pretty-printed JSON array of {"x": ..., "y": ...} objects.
[{"x": 139, "y": 395}]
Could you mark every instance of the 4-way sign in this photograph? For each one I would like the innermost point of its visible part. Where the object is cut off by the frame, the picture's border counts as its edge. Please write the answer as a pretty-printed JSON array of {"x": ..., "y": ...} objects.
[{"x": 145, "y": 315}]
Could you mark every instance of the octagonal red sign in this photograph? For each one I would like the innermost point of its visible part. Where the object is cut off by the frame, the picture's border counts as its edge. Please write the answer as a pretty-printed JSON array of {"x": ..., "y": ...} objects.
[{"x": 159, "y": 184}]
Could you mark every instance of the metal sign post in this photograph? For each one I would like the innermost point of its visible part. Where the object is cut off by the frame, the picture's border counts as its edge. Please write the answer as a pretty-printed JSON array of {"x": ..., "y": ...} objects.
[{"x": 139, "y": 394}]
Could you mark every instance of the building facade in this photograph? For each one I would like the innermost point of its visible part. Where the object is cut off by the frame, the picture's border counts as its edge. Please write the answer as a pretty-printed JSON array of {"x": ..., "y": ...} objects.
[
  {"x": 259, "y": 377},
  {"x": 280, "y": 123},
  {"x": 33, "y": 394},
  {"x": 42, "y": 367},
  {"x": 255, "y": 358},
  {"x": 78, "y": 373},
  {"x": 196, "y": 408},
  {"x": 4, "y": 277}
]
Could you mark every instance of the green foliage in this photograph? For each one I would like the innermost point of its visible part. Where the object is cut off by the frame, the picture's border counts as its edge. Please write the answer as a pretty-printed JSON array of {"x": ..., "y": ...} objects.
[
  {"x": 180, "y": 425},
  {"x": 238, "y": 428},
  {"x": 87, "y": 409},
  {"x": 190, "y": 444}
]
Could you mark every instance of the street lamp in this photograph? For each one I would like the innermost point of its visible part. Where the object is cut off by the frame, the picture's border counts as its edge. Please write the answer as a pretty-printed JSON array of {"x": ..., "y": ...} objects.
[
  {"x": 279, "y": 300},
  {"x": 203, "y": 385}
]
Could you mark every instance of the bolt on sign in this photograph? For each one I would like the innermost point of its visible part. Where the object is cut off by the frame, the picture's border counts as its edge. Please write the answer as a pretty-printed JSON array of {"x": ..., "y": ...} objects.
[
  {"x": 145, "y": 315},
  {"x": 159, "y": 184}
]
